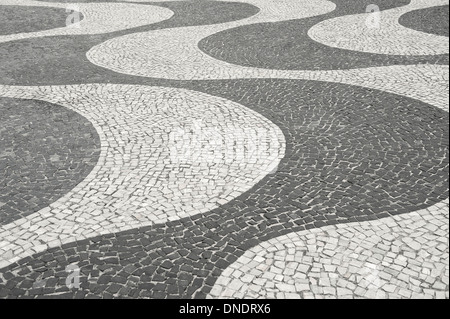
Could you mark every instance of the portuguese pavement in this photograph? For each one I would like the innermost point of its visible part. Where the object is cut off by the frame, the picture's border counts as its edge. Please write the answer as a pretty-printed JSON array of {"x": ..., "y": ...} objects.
[{"x": 224, "y": 149}]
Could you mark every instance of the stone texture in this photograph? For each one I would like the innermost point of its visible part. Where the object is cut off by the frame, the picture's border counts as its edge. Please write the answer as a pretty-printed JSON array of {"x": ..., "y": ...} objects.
[
  {"x": 362, "y": 185},
  {"x": 46, "y": 150},
  {"x": 383, "y": 35},
  {"x": 30, "y": 19},
  {"x": 421, "y": 20},
  {"x": 369, "y": 279},
  {"x": 95, "y": 18}
]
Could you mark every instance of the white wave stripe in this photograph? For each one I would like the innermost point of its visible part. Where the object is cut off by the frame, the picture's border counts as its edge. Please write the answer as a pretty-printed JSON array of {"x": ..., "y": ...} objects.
[
  {"x": 97, "y": 18},
  {"x": 405, "y": 256},
  {"x": 386, "y": 36},
  {"x": 277, "y": 10},
  {"x": 426, "y": 83},
  {"x": 160, "y": 161},
  {"x": 174, "y": 54}
]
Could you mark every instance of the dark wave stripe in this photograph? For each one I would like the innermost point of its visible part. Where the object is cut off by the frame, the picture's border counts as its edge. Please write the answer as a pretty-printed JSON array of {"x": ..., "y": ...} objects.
[
  {"x": 62, "y": 60},
  {"x": 353, "y": 154},
  {"x": 110, "y": 1},
  {"x": 432, "y": 20},
  {"x": 287, "y": 46},
  {"x": 45, "y": 151},
  {"x": 18, "y": 19}
]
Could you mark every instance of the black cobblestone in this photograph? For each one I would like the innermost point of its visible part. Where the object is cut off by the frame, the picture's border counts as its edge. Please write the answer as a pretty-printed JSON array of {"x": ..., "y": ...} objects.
[
  {"x": 434, "y": 20},
  {"x": 260, "y": 45},
  {"x": 45, "y": 150}
]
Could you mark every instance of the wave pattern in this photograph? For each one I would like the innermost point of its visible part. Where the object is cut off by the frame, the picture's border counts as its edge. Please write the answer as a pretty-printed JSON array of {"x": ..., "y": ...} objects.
[{"x": 322, "y": 141}]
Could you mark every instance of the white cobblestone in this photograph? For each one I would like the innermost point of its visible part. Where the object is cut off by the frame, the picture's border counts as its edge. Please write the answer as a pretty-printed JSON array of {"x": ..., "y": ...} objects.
[{"x": 374, "y": 279}]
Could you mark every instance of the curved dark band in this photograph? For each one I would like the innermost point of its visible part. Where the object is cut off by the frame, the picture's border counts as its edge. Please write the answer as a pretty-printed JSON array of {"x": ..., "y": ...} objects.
[
  {"x": 353, "y": 154},
  {"x": 432, "y": 20},
  {"x": 287, "y": 46},
  {"x": 62, "y": 59},
  {"x": 45, "y": 151},
  {"x": 20, "y": 19}
]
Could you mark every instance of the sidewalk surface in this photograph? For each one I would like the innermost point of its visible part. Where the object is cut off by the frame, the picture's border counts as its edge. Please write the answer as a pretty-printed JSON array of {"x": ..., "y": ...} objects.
[{"x": 211, "y": 149}]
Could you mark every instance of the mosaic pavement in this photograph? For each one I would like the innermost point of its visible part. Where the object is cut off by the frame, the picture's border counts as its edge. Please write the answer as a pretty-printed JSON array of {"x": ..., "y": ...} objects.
[{"x": 212, "y": 149}]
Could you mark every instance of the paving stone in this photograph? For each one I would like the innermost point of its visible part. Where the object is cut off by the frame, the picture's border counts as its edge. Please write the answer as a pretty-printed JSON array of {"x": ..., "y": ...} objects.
[
  {"x": 372, "y": 281},
  {"x": 339, "y": 167}
]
